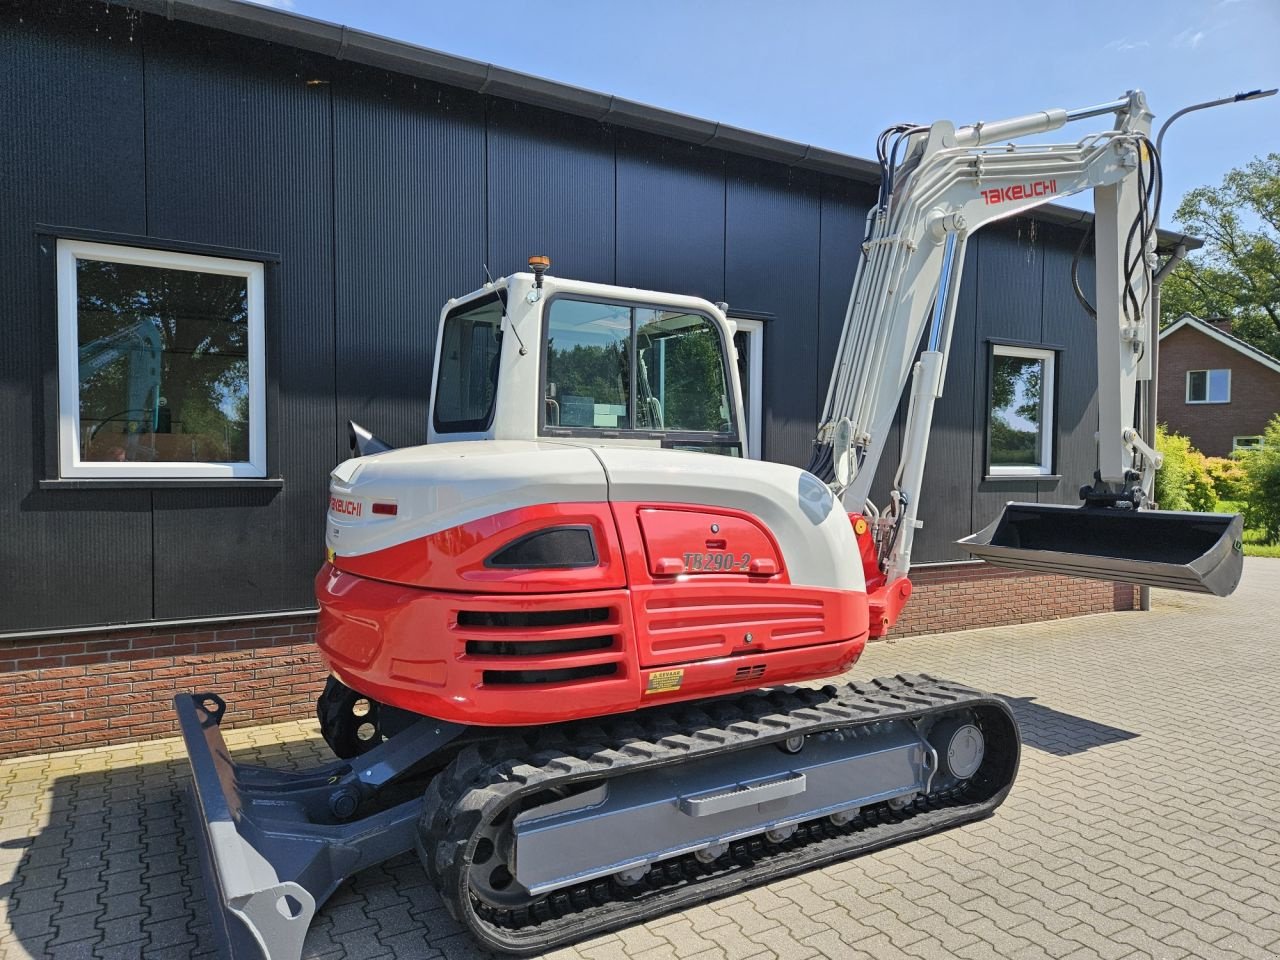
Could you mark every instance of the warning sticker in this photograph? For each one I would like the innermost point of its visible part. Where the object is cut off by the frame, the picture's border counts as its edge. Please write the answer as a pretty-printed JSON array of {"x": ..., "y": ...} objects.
[{"x": 664, "y": 681}]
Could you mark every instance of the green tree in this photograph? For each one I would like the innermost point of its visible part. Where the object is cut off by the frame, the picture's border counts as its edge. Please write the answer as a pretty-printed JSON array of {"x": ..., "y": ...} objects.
[
  {"x": 1007, "y": 374},
  {"x": 1229, "y": 478},
  {"x": 694, "y": 378},
  {"x": 1237, "y": 273}
]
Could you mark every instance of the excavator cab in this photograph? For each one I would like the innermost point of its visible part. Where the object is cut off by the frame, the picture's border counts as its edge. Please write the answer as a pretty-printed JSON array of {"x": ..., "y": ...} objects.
[
  {"x": 1197, "y": 552},
  {"x": 532, "y": 355}
]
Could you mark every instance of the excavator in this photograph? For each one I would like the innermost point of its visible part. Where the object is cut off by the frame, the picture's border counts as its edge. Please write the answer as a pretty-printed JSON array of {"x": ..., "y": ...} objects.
[
  {"x": 569, "y": 636},
  {"x": 142, "y": 350}
]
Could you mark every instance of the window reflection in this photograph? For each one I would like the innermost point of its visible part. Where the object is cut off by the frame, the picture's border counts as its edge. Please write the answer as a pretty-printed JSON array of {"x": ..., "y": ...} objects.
[
  {"x": 680, "y": 380},
  {"x": 163, "y": 364},
  {"x": 1020, "y": 419},
  {"x": 587, "y": 378},
  {"x": 469, "y": 367}
]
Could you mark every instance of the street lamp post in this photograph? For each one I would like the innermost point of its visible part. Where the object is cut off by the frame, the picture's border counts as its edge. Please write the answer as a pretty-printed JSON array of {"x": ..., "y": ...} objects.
[
  {"x": 1238, "y": 98},
  {"x": 1157, "y": 281}
]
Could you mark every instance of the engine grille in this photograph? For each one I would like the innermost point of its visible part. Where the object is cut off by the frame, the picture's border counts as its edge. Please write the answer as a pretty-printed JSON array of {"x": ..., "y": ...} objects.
[
  {"x": 561, "y": 675},
  {"x": 527, "y": 648},
  {"x": 543, "y": 646},
  {"x": 532, "y": 618}
]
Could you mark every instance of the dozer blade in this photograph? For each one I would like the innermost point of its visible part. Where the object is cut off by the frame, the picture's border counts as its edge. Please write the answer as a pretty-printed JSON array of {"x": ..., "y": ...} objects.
[
  {"x": 1197, "y": 552},
  {"x": 270, "y": 850}
]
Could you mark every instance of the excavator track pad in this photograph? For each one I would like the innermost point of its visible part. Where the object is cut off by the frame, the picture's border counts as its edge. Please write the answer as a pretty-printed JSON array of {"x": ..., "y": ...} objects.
[{"x": 536, "y": 842}]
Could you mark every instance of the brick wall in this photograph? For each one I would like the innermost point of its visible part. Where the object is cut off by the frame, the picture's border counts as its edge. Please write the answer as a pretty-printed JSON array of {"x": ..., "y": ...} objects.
[
  {"x": 1255, "y": 392},
  {"x": 85, "y": 690},
  {"x": 965, "y": 596}
]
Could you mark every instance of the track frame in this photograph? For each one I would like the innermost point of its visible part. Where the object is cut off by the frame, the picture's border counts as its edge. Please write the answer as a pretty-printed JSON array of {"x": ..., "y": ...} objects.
[{"x": 486, "y": 781}]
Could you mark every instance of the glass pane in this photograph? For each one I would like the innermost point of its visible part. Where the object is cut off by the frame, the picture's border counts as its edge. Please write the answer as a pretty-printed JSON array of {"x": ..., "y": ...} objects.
[
  {"x": 1017, "y": 411},
  {"x": 587, "y": 376},
  {"x": 680, "y": 378},
  {"x": 468, "y": 380},
  {"x": 1196, "y": 386},
  {"x": 1219, "y": 386},
  {"x": 164, "y": 364},
  {"x": 742, "y": 341}
]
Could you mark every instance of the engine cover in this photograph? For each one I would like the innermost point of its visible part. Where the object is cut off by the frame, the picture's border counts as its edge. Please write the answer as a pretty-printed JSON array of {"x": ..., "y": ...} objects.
[{"x": 505, "y": 583}]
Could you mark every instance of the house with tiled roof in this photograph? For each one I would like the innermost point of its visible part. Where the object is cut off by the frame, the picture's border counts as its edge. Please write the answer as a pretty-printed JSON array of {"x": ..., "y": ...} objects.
[{"x": 1215, "y": 389}]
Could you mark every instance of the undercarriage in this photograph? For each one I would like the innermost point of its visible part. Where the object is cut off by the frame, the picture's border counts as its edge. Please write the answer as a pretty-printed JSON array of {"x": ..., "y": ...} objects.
[{"x": 536, "y": 837}]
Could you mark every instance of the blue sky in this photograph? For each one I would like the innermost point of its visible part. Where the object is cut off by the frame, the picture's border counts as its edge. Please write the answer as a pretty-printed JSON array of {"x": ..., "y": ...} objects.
[{"x": 836, "y": 73}]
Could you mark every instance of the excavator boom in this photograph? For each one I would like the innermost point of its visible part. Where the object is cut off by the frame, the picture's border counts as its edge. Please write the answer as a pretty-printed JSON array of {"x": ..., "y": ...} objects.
[{"x": 948, "y": 184}]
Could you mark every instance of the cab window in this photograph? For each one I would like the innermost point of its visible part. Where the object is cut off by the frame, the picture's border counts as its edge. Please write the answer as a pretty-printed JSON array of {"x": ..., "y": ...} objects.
[
  {"x": 680, "y": 381},
  {"x": 587, "y": 378},
  {"x": 468, "y": 380},
  {"x": 613, "y": 368}
]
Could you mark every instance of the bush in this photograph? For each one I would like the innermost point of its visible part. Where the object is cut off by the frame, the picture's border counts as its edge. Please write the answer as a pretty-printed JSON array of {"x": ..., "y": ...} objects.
[
  {"x": 1262, "y": 485},
  {"x": 1202, "y": 492},
  {"x": 1229, "y": 479},
  {"x": 1183, "y": 482}
]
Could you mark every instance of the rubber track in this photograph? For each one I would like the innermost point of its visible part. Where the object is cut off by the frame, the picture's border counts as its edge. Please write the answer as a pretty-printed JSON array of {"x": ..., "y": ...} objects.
[{"x": 487, "y": 778}]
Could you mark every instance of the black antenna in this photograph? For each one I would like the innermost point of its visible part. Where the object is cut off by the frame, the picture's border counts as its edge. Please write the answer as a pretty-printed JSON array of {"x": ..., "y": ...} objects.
[{"x": 505, "y": 316}]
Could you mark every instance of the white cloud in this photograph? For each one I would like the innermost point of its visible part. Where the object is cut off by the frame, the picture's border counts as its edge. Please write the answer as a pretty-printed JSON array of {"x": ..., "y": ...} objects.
[
  {"x": 1125, "y": 45},
  {"x": 278, "y": 4},
  {"x": 1189, "y": 38}
]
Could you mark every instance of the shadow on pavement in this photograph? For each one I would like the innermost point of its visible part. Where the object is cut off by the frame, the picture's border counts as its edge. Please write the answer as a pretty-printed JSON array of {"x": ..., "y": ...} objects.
[
  {"x": 116, "y": 876},
  {"x": 115, "y": 872},
  {"x": 1058, "y": 733}
]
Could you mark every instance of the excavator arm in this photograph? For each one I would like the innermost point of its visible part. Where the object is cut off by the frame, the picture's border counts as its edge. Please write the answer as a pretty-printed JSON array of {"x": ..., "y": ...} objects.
[
  {"x": 140, "y": 346},
  {"x": 940, "y": 185}
]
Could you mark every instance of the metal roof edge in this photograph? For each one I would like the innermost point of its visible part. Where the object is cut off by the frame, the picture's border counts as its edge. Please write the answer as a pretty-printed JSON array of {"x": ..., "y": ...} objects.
[{"x": 399, "y": 56}]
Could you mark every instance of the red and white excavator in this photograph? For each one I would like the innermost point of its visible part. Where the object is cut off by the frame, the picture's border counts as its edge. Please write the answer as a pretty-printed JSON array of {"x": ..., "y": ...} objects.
[{"x": 560, "y": 632}]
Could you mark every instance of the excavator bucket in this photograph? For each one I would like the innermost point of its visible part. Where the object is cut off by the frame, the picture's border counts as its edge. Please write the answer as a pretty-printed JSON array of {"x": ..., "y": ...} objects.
[{"x": 1197, "y": 552}]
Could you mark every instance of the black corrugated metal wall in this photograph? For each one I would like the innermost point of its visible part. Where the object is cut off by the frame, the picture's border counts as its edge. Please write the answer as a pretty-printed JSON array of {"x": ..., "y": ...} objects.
[{"x": 382, "y": 196}]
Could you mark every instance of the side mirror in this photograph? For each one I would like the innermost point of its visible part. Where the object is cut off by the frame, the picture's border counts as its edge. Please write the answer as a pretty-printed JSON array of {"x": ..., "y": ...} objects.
[{"x": 363, "y": 443}]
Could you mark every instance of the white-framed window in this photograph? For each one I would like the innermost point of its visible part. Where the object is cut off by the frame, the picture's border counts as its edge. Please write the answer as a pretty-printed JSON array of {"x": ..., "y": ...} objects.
[
  {"x": 161, "y": 364},
  {"x": 749, "y": 341},
  {"x": 1208, "y": 386},
  {"x": 1020, "y": 420},
  {"x": 1246, "y": 443}
]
